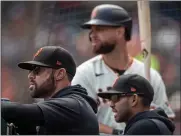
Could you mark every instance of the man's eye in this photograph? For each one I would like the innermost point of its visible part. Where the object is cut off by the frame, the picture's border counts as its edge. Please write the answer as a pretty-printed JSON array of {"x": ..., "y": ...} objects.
[
  {"x": 100, "y": 29},
  {"x": 35, "y": 71}
]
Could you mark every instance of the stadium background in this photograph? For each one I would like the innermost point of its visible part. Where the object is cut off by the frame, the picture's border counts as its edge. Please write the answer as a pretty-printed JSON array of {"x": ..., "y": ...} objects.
[{"x": 26, "y": 26}]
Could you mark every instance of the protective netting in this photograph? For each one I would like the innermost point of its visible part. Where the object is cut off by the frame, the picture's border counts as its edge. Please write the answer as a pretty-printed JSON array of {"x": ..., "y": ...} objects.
[{"x": 26, "y": 26}]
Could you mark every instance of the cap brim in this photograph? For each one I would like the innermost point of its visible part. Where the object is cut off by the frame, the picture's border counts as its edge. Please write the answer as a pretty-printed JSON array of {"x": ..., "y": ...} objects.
[
  {"x": 88, "y": 24},
  {"x": 29, "y": 65},
  {"x": 108, "y": 94}
]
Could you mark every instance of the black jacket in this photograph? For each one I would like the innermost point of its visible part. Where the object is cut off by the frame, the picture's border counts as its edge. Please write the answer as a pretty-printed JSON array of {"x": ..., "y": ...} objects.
[
  {"x": 70, "y": 112},
  {"x": 141, "y": 124}
]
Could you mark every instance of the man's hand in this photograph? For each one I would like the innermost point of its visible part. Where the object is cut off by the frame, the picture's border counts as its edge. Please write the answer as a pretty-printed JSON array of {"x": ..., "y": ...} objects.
[
  {"x": 108, "y": 130},
  {"x": 105, "y": 129}
]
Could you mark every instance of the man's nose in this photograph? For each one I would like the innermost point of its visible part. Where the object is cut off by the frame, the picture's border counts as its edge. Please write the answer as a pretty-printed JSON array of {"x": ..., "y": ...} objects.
[
  {"x": 112, "y": 105},
  {"x": 91, "y": 35},
  {"x": 31, "y": 75}
]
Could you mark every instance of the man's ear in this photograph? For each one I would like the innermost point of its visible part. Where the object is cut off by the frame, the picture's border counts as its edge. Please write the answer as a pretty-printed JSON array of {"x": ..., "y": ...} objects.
[
  {"x": 60, "y": 74},
  {"x": 134, "y": 100},
  {"x": 120, "y": 32}
]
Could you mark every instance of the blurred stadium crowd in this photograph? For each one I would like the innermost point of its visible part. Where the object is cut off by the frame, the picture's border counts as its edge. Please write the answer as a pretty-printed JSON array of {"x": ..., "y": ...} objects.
[{"x": 26, "y": 26}]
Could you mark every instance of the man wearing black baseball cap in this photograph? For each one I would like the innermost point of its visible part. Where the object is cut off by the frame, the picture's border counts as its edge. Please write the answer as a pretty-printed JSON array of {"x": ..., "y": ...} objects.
[
  {"x": 66, "y": 110},
  {"x": 130, "y": 97}
]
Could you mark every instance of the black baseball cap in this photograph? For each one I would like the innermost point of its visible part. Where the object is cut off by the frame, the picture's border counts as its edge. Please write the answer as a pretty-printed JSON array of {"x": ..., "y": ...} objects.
[
  {"x": 52, "y": 57},
  {"x": 130, "y": 84}
]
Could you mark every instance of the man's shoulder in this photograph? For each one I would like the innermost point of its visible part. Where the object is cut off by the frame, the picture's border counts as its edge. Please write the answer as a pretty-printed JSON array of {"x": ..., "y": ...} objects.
[
  {"x": 143, "y": 126},
  {"x": 138, "y": 66},
  {"x": 60, "y": 102},
  {"x": 90, "y": 62}
]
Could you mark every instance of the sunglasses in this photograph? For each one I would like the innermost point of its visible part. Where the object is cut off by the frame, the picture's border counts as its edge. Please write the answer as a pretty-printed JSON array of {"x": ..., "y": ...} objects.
[
  {"x": 36, "y": 70},
  {"x": 115, "y": 98}
]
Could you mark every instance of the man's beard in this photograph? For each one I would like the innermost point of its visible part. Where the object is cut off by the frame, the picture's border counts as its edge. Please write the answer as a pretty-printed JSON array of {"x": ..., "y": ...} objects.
[
  {"x": 104, "y": 48},
  {"x": 46, "y": 89}
]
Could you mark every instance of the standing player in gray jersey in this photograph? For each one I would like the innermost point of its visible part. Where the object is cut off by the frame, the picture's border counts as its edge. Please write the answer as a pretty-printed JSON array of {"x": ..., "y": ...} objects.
[{"x": 110, "y": 30}]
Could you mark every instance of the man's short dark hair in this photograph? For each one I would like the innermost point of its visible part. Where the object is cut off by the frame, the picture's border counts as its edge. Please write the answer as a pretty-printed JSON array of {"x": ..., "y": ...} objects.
[
  {"x": 70, "y": 77},
  {"x": 145, "y": 101}
]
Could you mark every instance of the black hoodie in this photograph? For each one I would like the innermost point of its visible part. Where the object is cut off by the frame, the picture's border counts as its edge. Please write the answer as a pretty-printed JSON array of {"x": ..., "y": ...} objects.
[
  {"x": 141, "y": 124},
  {"x": 69, "y": 112}
]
